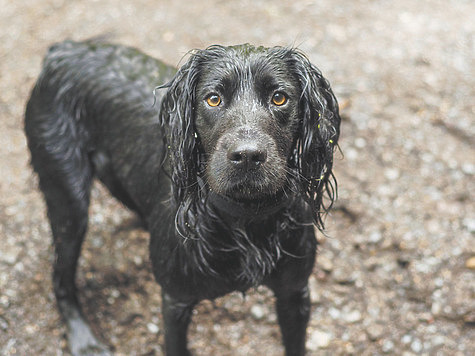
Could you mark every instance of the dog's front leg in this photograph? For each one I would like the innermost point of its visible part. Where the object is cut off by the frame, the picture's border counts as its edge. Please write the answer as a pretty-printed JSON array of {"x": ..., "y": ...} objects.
[
  {"x": 293, "y": 311},
  {"x": 177, "y": 317}
]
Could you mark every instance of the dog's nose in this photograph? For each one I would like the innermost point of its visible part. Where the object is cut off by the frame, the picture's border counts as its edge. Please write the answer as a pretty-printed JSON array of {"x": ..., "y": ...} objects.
[{"x": 247, "y": 155}]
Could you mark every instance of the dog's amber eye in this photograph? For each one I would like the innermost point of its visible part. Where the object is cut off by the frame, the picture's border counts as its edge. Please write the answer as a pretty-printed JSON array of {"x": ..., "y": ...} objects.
[
  {"x": 279, "y": 99},
  {"x": 213, "y": 100}
]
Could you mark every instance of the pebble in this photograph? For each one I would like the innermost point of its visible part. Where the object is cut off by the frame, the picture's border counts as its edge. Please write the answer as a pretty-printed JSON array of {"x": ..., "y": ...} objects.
[
  {"x": 352, "y": 317},
  {"x": 115, "y": 293},
  {"x": 325, "y": 263},
  {"x": 470, "y": 263},
  {"x": 436, "y": 308},
  {"x": 360, "y": 142},
  {"x": 153, "y": 328},
  {"x": 406, "y": 339},
  {"x": 388, "y": 346},
  {"x": 315, "y": 296},
  {"x": 375, "y": 237},
  {"x": 319, "y": 340},
  {"x": 375, "y": 331},
  {"x": 343, "y": 274},
  {"x": 468, "y": 168},
  {"x": 10, "y": 257},
  {"x": 334, "y": 313},
  {"x": 351, "y": 154},
  {"x": 3, "y": 324},
  {"x": 469, "y": 224},
  {"x": 391, "y": 173},
  {"x": 257, "y": 312},
  {"x": 416, "y": 346}
]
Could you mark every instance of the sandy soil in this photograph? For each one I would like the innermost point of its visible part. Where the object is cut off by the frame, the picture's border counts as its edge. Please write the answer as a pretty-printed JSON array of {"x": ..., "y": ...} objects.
[{"x": 396, "y": 274}]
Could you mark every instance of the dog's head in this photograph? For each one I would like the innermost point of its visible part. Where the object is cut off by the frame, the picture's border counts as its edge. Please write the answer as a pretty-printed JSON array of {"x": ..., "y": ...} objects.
[{"x": 252, "y": 123}]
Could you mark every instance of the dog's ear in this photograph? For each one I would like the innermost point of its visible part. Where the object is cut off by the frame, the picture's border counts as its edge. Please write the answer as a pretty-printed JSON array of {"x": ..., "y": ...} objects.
[
  {"x": 177, "y": 121},
  {"x": 317, "y": 138}
]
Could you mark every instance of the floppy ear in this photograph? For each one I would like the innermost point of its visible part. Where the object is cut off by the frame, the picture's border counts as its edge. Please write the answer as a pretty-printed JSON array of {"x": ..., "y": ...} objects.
[
  {"x": 177, "y": 121},
  {"x": 318, "y": 137}
]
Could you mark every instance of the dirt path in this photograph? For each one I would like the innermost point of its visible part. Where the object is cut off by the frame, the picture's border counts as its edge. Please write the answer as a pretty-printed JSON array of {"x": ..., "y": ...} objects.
[{"x": 396, "y": 275}]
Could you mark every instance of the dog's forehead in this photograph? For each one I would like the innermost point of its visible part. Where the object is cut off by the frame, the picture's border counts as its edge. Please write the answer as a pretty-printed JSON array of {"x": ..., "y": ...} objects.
[{"x": 244, "y": 62}]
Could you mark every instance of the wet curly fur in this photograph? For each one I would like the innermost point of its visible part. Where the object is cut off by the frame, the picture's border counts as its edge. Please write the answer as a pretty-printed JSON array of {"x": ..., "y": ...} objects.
[{"x": 229, "y": 177}]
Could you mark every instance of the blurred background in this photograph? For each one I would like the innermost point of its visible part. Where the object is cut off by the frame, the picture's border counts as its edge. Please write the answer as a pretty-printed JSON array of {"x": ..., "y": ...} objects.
[{"x": 395, "y": 274}]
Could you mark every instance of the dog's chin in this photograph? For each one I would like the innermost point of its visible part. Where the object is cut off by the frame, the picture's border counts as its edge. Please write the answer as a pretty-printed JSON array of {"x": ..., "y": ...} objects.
[
  {"x": 249, "y": 195},
  {"x": 246, "y": 193},
  {"x": 250, "y": 187}
]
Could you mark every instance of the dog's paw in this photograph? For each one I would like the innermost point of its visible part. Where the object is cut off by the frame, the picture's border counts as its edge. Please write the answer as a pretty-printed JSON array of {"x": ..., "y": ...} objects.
[
  {"x": 83, "y": 342},
  {"x": 98, "y": 349}
]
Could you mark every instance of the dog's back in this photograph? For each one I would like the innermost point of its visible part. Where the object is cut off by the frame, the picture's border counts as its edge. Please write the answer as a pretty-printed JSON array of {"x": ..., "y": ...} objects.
[{"x": 88, "y": 95}]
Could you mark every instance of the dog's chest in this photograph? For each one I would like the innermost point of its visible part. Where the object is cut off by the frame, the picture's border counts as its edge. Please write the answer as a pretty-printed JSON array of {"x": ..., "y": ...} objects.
[{"x": 206, "y": 269}]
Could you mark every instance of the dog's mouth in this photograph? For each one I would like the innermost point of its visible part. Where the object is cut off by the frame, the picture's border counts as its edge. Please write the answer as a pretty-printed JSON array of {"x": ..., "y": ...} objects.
[
  {"x": 240, "y": 205},
  {"x": 248, "y": 188},
  {"x": 246, "y": 192}
]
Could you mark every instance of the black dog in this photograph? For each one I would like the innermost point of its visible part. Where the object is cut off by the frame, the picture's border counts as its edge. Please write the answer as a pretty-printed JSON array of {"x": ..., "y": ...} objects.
[{"x": 228, "y": 177}]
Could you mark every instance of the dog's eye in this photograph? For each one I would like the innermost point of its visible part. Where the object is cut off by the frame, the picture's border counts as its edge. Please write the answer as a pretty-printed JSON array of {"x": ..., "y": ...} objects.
[
  {"x": 279, "y": 99},
  {"x": 213, "y": 100}
]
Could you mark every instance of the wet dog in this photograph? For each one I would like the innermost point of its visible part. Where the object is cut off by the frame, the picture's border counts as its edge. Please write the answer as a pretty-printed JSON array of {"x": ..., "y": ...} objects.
[{"x": 228, "y": 176}]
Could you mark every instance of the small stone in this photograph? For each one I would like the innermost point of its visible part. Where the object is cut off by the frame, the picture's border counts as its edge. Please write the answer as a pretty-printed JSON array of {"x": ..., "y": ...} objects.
[
  {"x": 343, "y": 275},
  {"x": 470, "y": 263},
  {"x": 349, "y": 349},
  {"x": 315, "y": 297},
  {"x": 391, "y": 173},
  {"x": 4, "y": 301},
  {"x": 319, "y": 340},
  {"x": 416, "y": 346},
  {"x": 351, "y": 154},
  {"x": 3, "y": 324},
  {"x": 334, "y": 313},
  {"x": 353, "y": 316},
  {"x": 153, "y": 328},
  {"x": 375, "y": 237},
  {"x": 469, "y": 318},
  {"x": 438, "y": 340},
  {"x": 468, "y": 168},
  {"x": 375, "y": 331},
  {"x": 469, "y": 224},
  {"x": 11, "y": 256},
  {"x": 436, "y": 308},
  {"x": 360, "y": 142},
  {"x": 257, "y": 312},
  {"x": 388, "y": 346},
  {"x": 115, "y": 293},
  {"x": 325, "y": 263}
]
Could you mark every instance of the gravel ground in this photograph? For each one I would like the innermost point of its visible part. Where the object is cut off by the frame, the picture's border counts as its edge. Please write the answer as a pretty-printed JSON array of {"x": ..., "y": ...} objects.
[{"x": 396, "y": 271}]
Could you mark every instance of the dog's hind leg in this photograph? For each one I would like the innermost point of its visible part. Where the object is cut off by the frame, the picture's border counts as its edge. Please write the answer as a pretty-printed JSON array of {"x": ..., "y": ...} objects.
[
  {"x": 68, "y": 217},
  {"x": 65, "y": 176}
]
